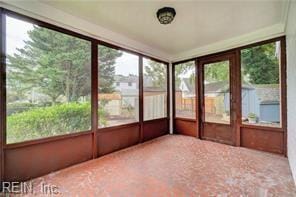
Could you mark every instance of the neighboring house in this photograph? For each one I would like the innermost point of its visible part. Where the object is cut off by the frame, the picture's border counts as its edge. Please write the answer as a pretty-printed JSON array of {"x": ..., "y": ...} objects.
[
  {"x": 185, "y": 96},
  {"x": 126, "y": 82},
  {"x": 126, "y": 96},
  {"x": 187, "y": 88},
  {"x": 128, "y": 87},
  {"x": 263, "y": 100},
  {"x": 269, "y": 97}
]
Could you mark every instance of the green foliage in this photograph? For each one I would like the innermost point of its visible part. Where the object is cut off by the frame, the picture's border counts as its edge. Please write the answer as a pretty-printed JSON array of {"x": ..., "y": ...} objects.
[
  {"x": 218, "y": 71},
  {"x": 13, "y": 108},
  {"x": 52, "y": 68},
  {"x": 252, "y": 116},
  {"x": 183, "y": 69},
  {"x": 260, "y": 64},
  {"x": 50, "y": 121},
  {"x": 53, "y": 64},
  {"x": 107, "y": 60},
  {"x": 157, "y": 72},
  {"x": 56, "y": 64}
]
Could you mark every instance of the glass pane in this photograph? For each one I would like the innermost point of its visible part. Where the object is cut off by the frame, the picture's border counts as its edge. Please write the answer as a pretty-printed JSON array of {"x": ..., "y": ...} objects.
[
  {"x": 48, "y": 82},
  {"x": 216, "y": 92},
  {"x": 185, "y": 90},
  {"x": 155, "y": 89},
  {"x": 261, "y": 104},
  {"x": 118, "y": 87}
]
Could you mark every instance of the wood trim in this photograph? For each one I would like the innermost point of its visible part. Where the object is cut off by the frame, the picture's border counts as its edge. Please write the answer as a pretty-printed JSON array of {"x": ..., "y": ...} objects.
[
  {"x": 185, "y": 119},
  {"x": 106, "y": 129},
  {"x": 184, "y": 61},
  {"x": 283, "y": 79},
  {"x": 168, "y": 94},
  {"x": 158, "y": 119},
  {"x": 174, "y": 97},
  {"x": 2, "y": 92},
  {"x": 94, "y": 95},
  {"x": 141, "y": 98},
  {"x": 280, "y": 38},
  {"x": 272, "y": 129},
  {"x": 46, "y": 140},
  {"x": 238, "y": 103},
  {"x": 228, "y": 56},
  {"x": 130, "y": 51},
  {"x": 197, "y": 100},
  {"x": 200, "y": 97},
  {"x": 45, "y": 24},
  {"x": 232, "y": 49}
]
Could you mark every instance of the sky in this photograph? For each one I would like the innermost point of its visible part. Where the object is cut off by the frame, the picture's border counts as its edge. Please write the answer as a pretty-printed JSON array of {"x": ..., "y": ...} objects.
[{"x": 16, "y": 35}]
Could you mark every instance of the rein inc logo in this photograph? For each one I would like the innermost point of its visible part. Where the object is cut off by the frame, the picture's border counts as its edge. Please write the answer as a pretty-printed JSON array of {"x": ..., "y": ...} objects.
[{"x": 15, "y": 187}]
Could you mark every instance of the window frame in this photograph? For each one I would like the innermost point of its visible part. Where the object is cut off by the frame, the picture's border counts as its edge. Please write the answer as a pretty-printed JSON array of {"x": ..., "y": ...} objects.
[
  {"x": 139, "y": 81},
  {"x": 167, "y": 89},
  {"x": 4, "y": 14},
  {"x": 282, "y": 85},
  {"x": 239, "y": 127},
  {"x": 16, "y": 16},
  {"x": 282, "y": 72},
  {"x": 94, "y": 82},
  {"x": 174, "y": 90}
]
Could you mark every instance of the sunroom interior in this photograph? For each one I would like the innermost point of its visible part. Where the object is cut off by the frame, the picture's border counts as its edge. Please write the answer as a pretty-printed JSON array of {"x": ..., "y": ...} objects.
[{"x": 104, "y": 98}]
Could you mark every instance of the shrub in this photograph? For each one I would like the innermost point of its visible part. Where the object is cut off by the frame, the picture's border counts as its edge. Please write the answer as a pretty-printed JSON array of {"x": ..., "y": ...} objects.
[
  {"x": 50, "y": 121},
  {"x": 13, "y": 108}
]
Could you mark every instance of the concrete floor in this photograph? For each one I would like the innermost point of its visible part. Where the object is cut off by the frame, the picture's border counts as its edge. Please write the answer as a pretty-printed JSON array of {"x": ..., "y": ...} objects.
[{"x": 176, "y": 166}]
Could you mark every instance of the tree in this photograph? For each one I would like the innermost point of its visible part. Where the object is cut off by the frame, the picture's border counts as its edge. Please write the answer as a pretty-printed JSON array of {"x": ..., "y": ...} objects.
[
  {"x": 56, "y": 64},
  {"x": 183, "y": 69},
  {"x": 157, "y": 72},
  {"x": 218, "y": 71},
  {"x": 107, "y": 59},
  {"x": 260, "y": 64}
]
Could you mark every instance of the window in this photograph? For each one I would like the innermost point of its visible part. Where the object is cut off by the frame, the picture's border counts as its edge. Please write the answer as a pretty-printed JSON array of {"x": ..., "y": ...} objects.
[
  {"x": 185, "y": 98},
  {"x": 217, "y": 92},
  {"x": 260, "y": 71},
  {"x": 155, "y": 89},
  {"x": 48, "y": 82},
  {"x": 118, "y": 105}
]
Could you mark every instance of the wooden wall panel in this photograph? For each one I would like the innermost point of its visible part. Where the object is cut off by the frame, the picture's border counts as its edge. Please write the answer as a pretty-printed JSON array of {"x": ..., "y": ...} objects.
[
  {"x": 113, "y": 139},
  {"x": 217, "y": 132},
  {"x": 185, "y": 127},
  {"x": 155, "y": 128},
  {"x": 265, "y": 140},
  {"x": 23, "y": 163}
]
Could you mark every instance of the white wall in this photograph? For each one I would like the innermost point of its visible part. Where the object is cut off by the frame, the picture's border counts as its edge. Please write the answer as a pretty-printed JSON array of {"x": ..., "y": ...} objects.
[{"x": 291, "y": 85}]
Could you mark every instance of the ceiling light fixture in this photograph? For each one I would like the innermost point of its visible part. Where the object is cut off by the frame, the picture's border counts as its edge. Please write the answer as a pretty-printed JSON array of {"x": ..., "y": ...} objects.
[{"x": 166, "y": 15}]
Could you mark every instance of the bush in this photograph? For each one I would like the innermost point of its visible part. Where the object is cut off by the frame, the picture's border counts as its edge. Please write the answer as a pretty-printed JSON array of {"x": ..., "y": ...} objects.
[
  {"x": 50, "y": 121},
  {"x": 13, "y": 108}
]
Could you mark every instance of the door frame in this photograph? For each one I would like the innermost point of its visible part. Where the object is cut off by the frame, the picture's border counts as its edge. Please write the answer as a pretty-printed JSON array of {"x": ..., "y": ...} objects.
[
  {"x": 249, "y": 136},
  {"x": 231, "y": 57}
]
